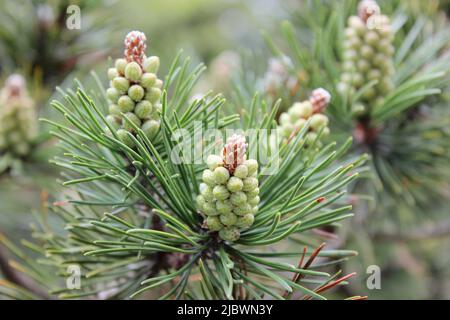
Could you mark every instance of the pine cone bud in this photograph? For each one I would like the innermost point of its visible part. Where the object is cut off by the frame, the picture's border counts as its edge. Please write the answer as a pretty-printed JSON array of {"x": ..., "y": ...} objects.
[
  {"x": 18, "y": 119},
  {"x": 368, "y": 56},
  {"x": 135, "y": 89},
  {"x": 135, "y": 46},
  {"x": 293, "y": 121},
  {"x": 229, "y": 191},
  {"x": 319, "y": 99},
  {"x": 367, "y": 8}
]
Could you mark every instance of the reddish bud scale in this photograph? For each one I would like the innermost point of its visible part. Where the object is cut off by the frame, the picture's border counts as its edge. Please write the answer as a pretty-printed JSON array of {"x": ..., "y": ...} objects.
[
  {"x": 367, "y": 8},
  {"x": 319, "y": 99},
  {"x": 135, "y": 46}
]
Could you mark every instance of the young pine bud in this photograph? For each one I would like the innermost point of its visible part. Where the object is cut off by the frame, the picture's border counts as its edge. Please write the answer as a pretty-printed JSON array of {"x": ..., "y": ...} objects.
[
  {"x": 151, "y": 64},
  {"x": 133, "y": 71},
  {"x": 143, "y": 109},
  {"x": 136, "y": 92},
  {"x": 229, "y": 234},
  {"x": 150, "y": 128}
]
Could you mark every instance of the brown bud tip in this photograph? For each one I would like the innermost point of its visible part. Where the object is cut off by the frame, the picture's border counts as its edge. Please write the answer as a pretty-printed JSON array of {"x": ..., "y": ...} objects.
[
  {"x": 367, "y": 8},
  {"x": 319, "y": 99},
  {"x": 135, "y": 46},
  {"x": 234, "y": 152},
  {"x": 15, "y": 85}
]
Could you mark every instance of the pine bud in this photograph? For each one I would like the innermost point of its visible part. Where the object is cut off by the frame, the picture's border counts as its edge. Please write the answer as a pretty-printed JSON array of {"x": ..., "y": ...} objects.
[
  {"x": 213, "y": 161},
  {"x": 245, "y": 221},
  {"x": 253, "y": 201},
  {"x": 132, "y": 118},
  {"x": 234, "y": 152},
  {"x": 133, "y": 71},
  {"x": 112, "y": 120},
  {"x": 112, "y": 73},
  {"x": 135, "y": 46},
  {"x": 148, "y": 80},
  {"x": 120, "y": 66},
  {"x": 241, "y": 171},
  {"x": 319, "y": 99},
  {"x": 250, "y": 184},
  {"x": 221, "y": 175},
  {"x": 143, "y": 109},
  {"x": 235, "y": 184},
  {"x": 208, "y": 178},
  {"x": 220, "y": 192},
  {"x": 210, "y": 209},
  {"x": 252, "y": 166},
  {"x": 151, "y": 64},
  {"x": 114, "y": 110},
  {"x": 213, "y": 223},
  {"x": 228, "y": 219},
  {"x": 200, "y": 201},
  {"x": 318, "y": 121},
  {"x": 238, "y": 198},
  {"x": 150, "y": 128},
  {"x": 126, "y": 104},
  {"x": 252, "y": 193},
  {"x": 153, "y": 95},
  {"x": 136, "y": 92},
  {"x": 243, "y": 209},
  {"x": 206, "y": 192},
  {"x": 112, "y": 94},
  {"x": 125, "y": 138},
  {"x": 229, "y": 234},
  {"x": 121, "y": 84},
  {"x": 224, "y": 206}
]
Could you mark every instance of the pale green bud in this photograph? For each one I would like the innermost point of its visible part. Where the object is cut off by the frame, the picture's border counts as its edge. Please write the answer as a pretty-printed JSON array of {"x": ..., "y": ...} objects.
[
  {"x": 208, "y": 178},
  {"x": 133, "y": 71},
  {"x": 254, "y": 201},
  {"x": 213, "y": 223},
  {"x": 153, "y": 95},
  {"x": 213, "y": 161},
  {"x": 150, "y": 128},
  {"x": 113, "y": 94},
  {"x": 148, "y": 80},
  {"x": 206, "y": 192},
  {"x": 284, "y": 118},
  {"x": 112, "y": 73},
  {"x": 221, "y": 175},
  {"x": 136, "y": 92},
  {"x": 143, "y": 109},
  {"x": 114, "y": 109},
  {"x": 311, "y": 137},
  {"x": 318, "y": 121},
  {"x": 229, "y": 234},
  {"x": 235, "y": 184},
  {"x": 133, "y": 118},
  {"x": 121, "y": 84},
  {"x": 120, "y": 65},
  {"x": 245, "y": 221},
  {"x": 228, "y": 219},
  {"x": 200, "y": 201},
  {"x": 369, "y": 94},
  {"x": 243, "y": 209},
  {"x": 250, "y": 183},
  {"x": 151, "y": 64},
  {"x": 238, "y": 198},
  {"x": 224, "y": 206},
  {"x": 241, "y": 171},
  {"x": 363, "y": 65},
  {"x": 126, "y": 104},
  {"x": 220, "y": 192},
  {"x": 112, "y": 120},
  {"x": 159, "y": 84},
  {"x": 209, "y": 208},
  {"x": 252, "y": 166},
  {"x": 125, "y": 138},
  {"x": 374, "y": 74},
  {"x": 371, "y": 38}
]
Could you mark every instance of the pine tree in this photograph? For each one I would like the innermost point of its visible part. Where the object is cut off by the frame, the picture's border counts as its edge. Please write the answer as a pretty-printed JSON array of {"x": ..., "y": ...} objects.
[{"x": 144, "y": 218}]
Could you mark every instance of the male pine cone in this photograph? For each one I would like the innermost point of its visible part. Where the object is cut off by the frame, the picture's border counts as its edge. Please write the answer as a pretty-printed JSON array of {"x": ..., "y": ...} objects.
[
  {"x": 293, "y": 121},
  {"x": 229, "y": 194},
  {"x": 368, "y": 53},
  {"x": 135, "y": 91},
  {"x": 18, "y": 120}
]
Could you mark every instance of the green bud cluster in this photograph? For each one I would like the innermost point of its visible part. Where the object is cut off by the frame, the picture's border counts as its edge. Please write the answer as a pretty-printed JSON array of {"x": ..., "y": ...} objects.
[
  {"x": 293, "y": 121},
  {"x": 134, "y": 93},
  {"x": 229, "y": 200},
  {"x": 368, "y": 56},
  {"x": 18, "y": 123}
]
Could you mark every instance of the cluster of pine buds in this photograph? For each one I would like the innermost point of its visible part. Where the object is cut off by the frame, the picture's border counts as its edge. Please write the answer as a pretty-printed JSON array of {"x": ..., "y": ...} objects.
[
  {"x": 368, "y": 56},
  {"x": 293, "y": 121},
  {"x": 277, "y": 76},
  {"x": 229, "y": 194},
  {"x": 18, "y": 120},
  {"x": 135, "y": 91}
]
